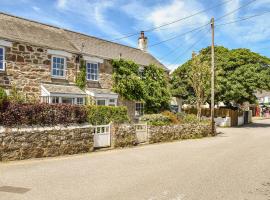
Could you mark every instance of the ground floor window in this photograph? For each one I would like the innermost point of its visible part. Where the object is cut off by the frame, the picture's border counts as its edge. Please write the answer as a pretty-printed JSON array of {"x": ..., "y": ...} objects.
[
  {"x": 106, "y": 102},
  {"x": 139, "y": 109},
  {"x": 64, "y": 100}
]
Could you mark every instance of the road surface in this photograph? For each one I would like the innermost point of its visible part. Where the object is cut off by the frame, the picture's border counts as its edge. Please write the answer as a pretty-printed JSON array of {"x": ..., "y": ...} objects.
[{"x": 235, "y": 165}]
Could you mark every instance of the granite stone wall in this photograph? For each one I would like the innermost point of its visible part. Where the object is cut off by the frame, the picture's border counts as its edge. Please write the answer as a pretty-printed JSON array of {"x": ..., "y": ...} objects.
[
  {"x": 178, "y": 132},
  {"x": 19, "y": 144},
  {"x": 125, "y": 135}
]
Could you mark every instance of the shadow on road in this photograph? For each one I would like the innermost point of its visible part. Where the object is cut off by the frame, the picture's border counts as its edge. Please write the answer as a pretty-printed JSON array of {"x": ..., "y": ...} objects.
[{"x": 262, "y": 124}]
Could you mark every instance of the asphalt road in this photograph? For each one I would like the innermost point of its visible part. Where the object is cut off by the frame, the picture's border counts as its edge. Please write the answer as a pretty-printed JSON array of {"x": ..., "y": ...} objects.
[{"x": 232, "y": 166}]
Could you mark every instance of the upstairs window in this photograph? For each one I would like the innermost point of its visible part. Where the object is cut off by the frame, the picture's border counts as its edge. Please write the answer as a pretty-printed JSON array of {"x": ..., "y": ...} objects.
[
  {"x": 2, "y": 59},
  {"x": 92, "y": 71},
  {"x": 58, "y": 66}
]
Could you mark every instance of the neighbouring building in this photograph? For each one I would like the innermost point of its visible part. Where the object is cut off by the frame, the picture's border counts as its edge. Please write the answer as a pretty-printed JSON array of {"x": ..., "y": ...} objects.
[
  {"x": 42, "y": 61},
  {"x": 263, "y": 97}
]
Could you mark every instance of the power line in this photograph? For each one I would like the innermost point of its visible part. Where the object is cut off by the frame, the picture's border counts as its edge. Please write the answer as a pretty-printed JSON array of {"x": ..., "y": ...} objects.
[
  {"x": 189, "y": 48},
  {"x": 170, "y": 23},
  {"x": 227, "y": 14},
  {"x": 176, "y": 48},
  {"x": 243, "y": 19},
  {"x": 233, "y": 11}
]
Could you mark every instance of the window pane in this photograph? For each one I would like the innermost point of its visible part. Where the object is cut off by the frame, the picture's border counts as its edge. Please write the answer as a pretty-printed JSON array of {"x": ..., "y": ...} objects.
[
  {"x": 80, "y": 101},
  {"x": 58, "y": 66},
  {"x": 92, "y": 71},
  {"x": 101, "y": 102},
  {"x": 1, "y": 58},
  {"x": 67, "y": 100}
]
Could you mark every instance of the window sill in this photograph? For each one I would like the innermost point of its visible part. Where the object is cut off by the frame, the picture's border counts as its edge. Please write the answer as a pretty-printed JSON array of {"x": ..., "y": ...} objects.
[
  {"x": 59, "y": 77},
  {"x": 92, "y": 80}
]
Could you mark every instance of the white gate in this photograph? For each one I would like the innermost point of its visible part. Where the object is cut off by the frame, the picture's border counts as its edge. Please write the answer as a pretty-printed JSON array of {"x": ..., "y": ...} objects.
[
  {"x": 102, "y": 135},
  {"x": 141, "y": 133}
]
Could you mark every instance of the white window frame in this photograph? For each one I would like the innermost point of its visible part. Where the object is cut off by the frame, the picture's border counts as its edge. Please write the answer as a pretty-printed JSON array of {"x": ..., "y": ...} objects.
[
  {"x": 91, "y": 62},
  {"x": 65, "y": 66},
  {"x": 141, "y": 112},
  {"x": 60, "y": 99},
  {"x": 4, "y": 56},
  {"x": 107, "y": 101}
]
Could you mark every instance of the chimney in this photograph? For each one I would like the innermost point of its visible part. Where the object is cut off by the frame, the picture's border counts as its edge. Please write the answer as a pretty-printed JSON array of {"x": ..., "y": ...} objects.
[
  {"x": 193, "y": 54},
  {"x": 142, "y": 42}
]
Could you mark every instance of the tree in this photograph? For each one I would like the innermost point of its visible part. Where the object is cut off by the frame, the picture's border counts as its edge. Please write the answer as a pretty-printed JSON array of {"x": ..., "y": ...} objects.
[
  {"x": 239, "y": 74},
  {"x": 199, "y": 79}
]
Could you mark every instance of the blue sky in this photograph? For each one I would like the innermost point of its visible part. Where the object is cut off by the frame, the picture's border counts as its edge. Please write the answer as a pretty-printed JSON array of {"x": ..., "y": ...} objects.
[{"x": 110, "y": 19}]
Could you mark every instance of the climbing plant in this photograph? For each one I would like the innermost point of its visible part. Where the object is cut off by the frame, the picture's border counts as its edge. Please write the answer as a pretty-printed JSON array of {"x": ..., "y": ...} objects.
[
  {"x": 149, "y": 85},
  {"x": 81, "y": 77}
]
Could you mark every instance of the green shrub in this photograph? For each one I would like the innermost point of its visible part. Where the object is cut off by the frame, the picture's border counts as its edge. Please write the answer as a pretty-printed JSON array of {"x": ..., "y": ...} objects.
[
  {"x": 156, "y": 119},
  {"x": 99, "y": 115},
  {"x": 173, "y": 117},
  {"x": 18, "y": 114},
  {"x": 191, "y": 119},
  {"x": 3, "y": 96}
]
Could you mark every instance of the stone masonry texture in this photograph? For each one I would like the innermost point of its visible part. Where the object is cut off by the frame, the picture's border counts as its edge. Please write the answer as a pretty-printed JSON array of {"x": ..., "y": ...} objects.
[{"x": 20, "y": 145}]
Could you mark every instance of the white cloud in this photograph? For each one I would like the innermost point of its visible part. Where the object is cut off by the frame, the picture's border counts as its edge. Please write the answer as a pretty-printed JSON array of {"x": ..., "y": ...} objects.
[
  {"x": 95, "y": 12},
  {"x": 61, "y": 3},
  {"x": 35, "y": 8},
  {"x": 252, "y": 30}
]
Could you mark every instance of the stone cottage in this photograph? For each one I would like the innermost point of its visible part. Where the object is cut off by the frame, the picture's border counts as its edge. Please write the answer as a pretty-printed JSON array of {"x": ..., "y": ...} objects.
[{"x": 43, "y": 62}]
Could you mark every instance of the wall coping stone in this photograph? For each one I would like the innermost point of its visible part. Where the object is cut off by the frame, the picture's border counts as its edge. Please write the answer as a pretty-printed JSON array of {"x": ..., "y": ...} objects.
[{"x": 44, "y": 128}]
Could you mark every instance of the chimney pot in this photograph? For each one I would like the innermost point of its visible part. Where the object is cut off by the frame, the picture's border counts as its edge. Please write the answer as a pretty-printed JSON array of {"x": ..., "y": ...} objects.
[{"x": 142, "y": 42}]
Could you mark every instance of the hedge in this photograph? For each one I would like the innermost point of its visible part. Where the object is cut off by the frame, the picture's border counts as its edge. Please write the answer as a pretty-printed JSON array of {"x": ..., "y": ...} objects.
[
  {"x": 100, "y": 115},
  {"x": 15, "y": 114}
]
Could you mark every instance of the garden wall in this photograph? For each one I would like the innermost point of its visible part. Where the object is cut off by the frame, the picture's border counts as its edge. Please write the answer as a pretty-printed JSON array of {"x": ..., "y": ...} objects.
[
  {"x": 178, "y": 132},
  {"x": 125, "y": 135},
  {"x": 25, "y": 143}
]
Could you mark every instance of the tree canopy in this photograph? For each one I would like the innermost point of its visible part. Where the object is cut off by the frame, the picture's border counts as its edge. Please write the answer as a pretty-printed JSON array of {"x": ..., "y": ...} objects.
[
  {"x": 148, "y": 85},
  {"x": 239, "y": 74}
]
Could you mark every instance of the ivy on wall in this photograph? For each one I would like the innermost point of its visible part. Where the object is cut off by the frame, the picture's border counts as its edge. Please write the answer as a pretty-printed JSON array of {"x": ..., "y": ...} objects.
[
  {"x": 81, "y": 77},
  {"x": 149, "y": 86}
]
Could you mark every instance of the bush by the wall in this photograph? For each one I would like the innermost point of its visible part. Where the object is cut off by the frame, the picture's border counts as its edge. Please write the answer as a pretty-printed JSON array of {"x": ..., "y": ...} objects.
[
  {"x": 42, "y": 114},
  {"x": 3, "y": 96},
  {"x": 99, "y": 115},
  {"x": 173, "y": 117},
  {"x": 156, "y": 119}
]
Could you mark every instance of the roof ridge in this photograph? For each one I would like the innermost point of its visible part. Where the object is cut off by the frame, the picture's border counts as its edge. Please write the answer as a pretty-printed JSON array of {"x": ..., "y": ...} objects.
[{"x": 65, "y": 29}]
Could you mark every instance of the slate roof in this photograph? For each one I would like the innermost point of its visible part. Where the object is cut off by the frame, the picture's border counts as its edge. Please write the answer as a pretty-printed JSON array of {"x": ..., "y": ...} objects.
[
  {"x": 24, "y": 30},
  {"x": 63, "y": 89},
  {"x": 100, "y": 91}
]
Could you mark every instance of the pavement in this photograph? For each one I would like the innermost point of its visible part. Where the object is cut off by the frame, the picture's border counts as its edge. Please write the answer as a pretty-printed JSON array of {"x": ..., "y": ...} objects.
[{"x": 235, "y": 165}]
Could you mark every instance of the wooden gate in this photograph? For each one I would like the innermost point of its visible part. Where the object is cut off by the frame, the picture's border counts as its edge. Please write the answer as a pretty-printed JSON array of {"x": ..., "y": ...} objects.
[
  {"x": 141, "y": 133},
  {"x": 102, "y": 135}
]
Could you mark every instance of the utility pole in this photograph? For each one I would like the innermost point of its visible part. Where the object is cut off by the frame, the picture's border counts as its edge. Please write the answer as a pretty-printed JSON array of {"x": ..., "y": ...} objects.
[{"x": 213, "y": 77}]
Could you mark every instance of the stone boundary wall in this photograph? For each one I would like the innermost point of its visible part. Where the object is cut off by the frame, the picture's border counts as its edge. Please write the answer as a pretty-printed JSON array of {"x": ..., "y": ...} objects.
[
  {"x": 125, "y": 135},
  {"x": 178, "y": 132},
  {"x": 25, "y": 143}
]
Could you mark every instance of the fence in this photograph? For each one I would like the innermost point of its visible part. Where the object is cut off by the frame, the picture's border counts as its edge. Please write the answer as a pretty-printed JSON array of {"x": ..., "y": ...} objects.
[{"x": 221, "y": 115}]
